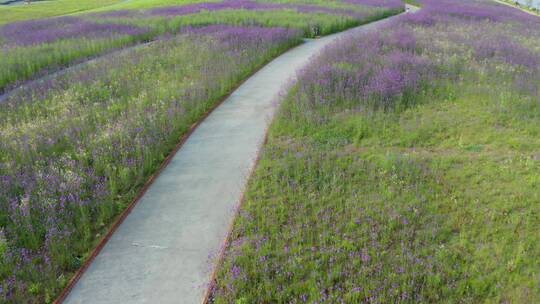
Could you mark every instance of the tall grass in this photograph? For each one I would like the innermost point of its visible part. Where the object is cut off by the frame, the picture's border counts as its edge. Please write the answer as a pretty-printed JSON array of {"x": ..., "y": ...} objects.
[
  {"x": 402, "y": 167},
  {"x": 21, "y": 63}
]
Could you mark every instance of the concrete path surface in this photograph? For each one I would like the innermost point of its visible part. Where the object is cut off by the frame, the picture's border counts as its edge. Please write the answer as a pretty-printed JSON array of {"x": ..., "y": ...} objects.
[{"x": 160, "y": 253}]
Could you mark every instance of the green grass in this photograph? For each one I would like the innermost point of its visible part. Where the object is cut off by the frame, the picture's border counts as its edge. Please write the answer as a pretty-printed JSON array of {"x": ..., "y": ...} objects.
[
  {"x": 413, "y": 2},
  {"x": 434, "y": 200},
  {"x": 53, "y": 8}
]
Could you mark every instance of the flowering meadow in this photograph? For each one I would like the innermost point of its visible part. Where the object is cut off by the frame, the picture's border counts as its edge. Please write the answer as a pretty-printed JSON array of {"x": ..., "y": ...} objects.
[
  {"x": 76, "y": 148},
  {"x": 403, "y": 166},
  {"x": 34, "y": 48}
]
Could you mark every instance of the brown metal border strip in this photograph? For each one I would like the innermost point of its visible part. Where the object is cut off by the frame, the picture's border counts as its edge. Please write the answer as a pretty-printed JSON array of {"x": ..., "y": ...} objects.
[{"x": 120, "y": 219}]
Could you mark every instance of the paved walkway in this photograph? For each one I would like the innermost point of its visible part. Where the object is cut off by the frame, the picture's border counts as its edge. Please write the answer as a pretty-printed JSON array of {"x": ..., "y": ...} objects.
[{"x": 160, "y": 253}]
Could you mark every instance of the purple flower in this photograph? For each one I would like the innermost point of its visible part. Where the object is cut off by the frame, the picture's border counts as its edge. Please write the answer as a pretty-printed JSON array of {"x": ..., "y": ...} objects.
[{"x": 49, "y": 30}]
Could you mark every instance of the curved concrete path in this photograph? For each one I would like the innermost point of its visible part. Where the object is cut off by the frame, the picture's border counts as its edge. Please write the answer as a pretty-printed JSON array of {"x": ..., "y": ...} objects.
[{"x": 160, "y": 253}]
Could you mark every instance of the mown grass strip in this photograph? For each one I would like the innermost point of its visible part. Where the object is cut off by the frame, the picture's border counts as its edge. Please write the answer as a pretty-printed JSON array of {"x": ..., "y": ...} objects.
[{"x": 37, "y": 47}]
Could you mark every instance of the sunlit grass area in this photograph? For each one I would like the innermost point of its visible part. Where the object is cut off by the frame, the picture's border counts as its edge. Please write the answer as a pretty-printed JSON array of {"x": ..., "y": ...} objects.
[{"x": 52, "y": 8}]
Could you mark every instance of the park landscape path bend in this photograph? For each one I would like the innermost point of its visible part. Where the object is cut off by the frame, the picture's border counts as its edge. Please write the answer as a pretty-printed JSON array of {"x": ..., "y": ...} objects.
[{"x": 161, "y": 253}]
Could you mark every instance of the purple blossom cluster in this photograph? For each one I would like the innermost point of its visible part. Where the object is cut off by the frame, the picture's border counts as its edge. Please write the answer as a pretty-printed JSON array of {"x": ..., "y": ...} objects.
[
  {"x": 468, "y": 11},
  {"x": 233, "y": 35},
  {"x": 384, "y": 68},
  {"x": 477, "y": 10},
  {"x": 494, "y": 34},
  {"x": 505, "y": 49},
  {"x": 49, "y": 30},
  {"x": 372, "y": 70}
]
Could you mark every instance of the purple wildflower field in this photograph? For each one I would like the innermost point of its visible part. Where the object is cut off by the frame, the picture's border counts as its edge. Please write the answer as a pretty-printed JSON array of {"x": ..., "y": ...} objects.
[
  {"x": 402, "y": 168},
  {"x": 76, "y": 148}
]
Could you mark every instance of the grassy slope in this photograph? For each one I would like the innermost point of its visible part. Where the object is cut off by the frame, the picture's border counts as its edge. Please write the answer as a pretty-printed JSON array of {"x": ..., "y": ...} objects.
[
  {"x": 437, "y": 202},
  {"x": 447, "y": 190},
  {"x": 65, "y": 7}
]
